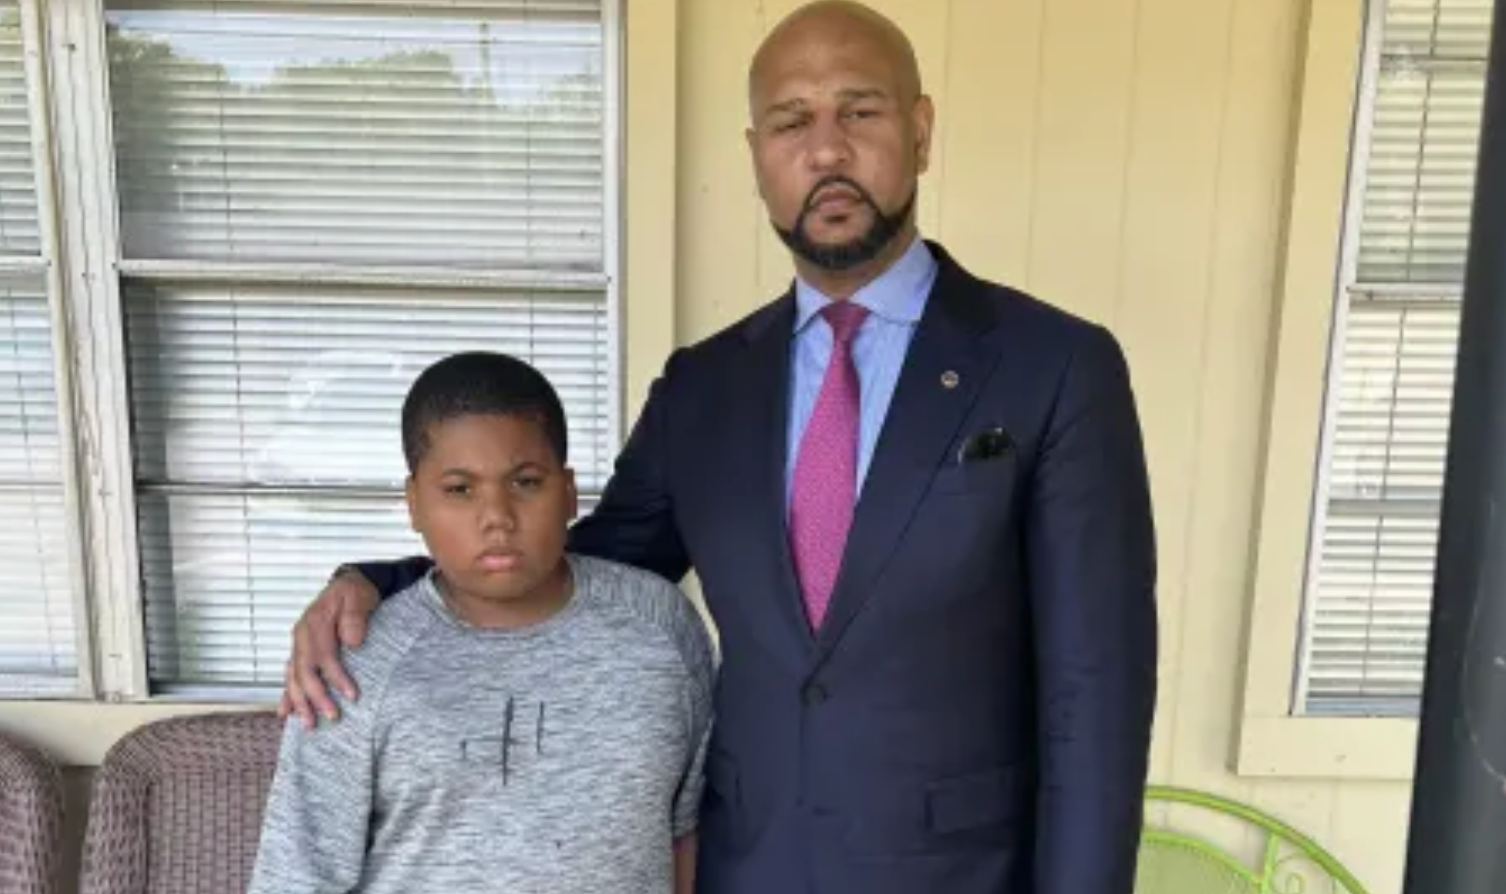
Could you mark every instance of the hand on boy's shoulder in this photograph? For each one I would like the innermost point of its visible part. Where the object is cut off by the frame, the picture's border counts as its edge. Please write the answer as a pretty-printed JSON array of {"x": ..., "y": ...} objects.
[
  {"x": 352, "y": 665},
  {"x": 315, "y": 671}
]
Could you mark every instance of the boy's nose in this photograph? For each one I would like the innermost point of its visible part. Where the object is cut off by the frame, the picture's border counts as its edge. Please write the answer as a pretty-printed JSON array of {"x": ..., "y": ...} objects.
[{"x": 498, "y": 515}]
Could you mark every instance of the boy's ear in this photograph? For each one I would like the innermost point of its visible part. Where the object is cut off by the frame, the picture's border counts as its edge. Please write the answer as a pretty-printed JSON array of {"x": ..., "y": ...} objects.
[
  {"x": 573, "y": 492},
  {"x": 410, "y": 494}
]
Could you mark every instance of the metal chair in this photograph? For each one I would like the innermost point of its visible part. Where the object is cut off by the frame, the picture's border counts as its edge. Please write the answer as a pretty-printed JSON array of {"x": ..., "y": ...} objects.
[{"x": 1218, "y": 846}]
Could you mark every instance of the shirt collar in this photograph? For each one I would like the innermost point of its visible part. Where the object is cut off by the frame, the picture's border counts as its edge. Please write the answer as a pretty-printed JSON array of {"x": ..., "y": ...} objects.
[{"x": 898, "y": 295}]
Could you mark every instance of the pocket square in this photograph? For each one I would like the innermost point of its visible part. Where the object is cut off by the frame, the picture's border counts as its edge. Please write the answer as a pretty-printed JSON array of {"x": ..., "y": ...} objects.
[{"x": 990, "y": 443}]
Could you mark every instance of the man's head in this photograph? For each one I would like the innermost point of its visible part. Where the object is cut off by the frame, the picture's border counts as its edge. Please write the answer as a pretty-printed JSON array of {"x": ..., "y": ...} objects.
[
  {"x": 840, "y": 133},
  {"x": 488, "y": 487}
]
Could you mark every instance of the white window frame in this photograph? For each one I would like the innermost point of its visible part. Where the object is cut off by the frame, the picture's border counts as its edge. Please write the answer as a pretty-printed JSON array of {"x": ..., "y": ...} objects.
[
  {"x": 1348, "y": 282},
  {"x": 47, "y": 268},
  {"x": 68, "y": 98},
  {"x": 1349, "y": 252},
  {"x": 1336, "y": 98}
]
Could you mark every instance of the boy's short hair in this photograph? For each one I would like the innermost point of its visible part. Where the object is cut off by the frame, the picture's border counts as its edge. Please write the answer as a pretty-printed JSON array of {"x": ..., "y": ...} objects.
[{"x": 480, "y": 383}]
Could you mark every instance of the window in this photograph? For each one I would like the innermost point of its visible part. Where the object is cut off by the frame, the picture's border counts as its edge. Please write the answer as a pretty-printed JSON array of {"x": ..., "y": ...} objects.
[
  {"x": 1370, "y": 580},
  {"x": 311, "y": 202},
  {"x": 38, "y": 629}
]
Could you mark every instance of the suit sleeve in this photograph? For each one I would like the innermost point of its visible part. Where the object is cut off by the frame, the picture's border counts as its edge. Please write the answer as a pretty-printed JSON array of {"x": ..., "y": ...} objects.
[
  {"x": 634, "y": 523},
  {"x": 1092, "y": 570},
  {"x": 391, "y": 578}
]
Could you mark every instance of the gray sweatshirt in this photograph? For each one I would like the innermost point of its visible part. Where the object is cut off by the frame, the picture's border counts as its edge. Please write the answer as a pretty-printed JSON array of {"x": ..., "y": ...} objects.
[{"x": 563, "y": 758}]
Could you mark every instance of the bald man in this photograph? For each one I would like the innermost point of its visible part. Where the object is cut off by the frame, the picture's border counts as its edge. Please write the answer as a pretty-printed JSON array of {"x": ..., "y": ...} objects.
[{"x": 918, "y": 506}]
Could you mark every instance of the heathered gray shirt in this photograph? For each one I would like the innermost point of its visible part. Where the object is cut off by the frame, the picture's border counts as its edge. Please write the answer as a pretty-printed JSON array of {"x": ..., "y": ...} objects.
[{"x": 557, "y": 759}]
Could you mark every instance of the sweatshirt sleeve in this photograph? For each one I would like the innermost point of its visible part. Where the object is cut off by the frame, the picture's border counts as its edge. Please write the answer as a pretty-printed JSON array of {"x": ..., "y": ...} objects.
[
  {"x": 319, "y": 808},
  {"x": 698, "y": 653}
]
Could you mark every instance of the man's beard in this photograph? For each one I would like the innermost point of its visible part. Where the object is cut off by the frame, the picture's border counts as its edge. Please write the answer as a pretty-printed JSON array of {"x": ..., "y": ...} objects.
[{"x": 855, "y": 252}]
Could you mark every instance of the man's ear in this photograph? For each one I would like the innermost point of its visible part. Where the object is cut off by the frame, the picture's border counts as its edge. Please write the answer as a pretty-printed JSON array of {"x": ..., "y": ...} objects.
[
  {"x": 750, "y": 134},
  {"x": 923, "y": 123}
]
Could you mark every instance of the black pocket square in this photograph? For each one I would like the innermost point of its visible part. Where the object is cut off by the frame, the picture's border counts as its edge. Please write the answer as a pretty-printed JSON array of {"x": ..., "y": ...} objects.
[{"x": 991, "y": 443}]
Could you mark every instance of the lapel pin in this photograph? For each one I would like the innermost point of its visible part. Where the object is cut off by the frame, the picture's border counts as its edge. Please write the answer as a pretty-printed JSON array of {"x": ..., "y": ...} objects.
[{"x": 950, "y": 379}]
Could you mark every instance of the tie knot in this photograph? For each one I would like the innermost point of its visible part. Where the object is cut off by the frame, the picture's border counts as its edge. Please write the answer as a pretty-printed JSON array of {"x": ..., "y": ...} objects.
[{"x": 844, "y": 318}]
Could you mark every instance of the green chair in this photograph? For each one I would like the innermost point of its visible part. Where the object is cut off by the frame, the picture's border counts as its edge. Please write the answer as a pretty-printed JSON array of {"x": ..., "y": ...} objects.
[{"x": 1197, "y": 843}]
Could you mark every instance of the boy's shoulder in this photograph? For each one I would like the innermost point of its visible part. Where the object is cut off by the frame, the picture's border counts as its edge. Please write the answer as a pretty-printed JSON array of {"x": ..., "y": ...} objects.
[
  {"x": 630, "y": 581},
  {"x": 399, "y": 622},
  {"x": 625, "y": 588},
  {"x": 405, "y": 605},
  {"x": 645, "y": 600}
]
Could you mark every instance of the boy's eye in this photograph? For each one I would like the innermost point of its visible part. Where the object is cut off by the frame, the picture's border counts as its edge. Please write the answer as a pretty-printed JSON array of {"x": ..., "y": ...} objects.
[
  {"x": 528, "y": 482},
  {"x": 457, "y": 490}
]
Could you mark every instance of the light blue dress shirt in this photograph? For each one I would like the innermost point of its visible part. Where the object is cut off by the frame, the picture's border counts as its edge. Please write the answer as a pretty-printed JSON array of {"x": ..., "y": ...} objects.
[{"x": 896, "y": 301}]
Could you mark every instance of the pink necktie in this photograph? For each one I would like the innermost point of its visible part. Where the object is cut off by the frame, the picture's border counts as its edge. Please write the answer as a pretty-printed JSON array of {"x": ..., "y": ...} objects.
[{"x": 826, "y": 469}]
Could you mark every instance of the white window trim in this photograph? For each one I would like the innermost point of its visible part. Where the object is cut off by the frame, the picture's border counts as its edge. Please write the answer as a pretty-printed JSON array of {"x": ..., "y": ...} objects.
[
  {"x": 1354, "y": 209},
  {"x": 93, "y": 341},
  {"x": 66, "y": 51},
  {"x": 33, "y": 31},
  {"x": 1335, "y": 96}
]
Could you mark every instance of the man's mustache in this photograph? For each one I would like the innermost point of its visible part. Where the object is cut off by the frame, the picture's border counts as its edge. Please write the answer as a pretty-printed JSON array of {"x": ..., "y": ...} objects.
[{"x": 835, "y": 180}]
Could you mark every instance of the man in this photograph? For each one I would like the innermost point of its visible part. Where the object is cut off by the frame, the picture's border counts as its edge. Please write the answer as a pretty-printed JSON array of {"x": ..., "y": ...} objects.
[{"x": 918, "y": 506}]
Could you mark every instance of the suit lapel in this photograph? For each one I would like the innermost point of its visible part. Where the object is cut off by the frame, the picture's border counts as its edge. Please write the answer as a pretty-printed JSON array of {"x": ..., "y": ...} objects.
[
  {"x": 944, "y": 370},
  {"x": 765, "y": 389}
]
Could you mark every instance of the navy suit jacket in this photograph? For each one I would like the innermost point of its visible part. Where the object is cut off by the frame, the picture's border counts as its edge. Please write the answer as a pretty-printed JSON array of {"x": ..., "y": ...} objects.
[{"x": 974, "y": 715}]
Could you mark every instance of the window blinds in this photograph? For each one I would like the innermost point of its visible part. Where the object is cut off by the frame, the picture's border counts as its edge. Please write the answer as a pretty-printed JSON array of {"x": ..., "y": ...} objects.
[
  {"x": 38, "y": 652},
  {"x": 318, "y": 200},
  {"x": 280, "y": 132},
  {"x": 18, "y": 195},
  {"x": 1371, "y": 586}
]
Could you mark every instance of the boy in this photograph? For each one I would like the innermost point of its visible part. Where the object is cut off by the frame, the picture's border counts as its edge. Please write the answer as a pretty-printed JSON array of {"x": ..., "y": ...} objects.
[{"x": 530, "y": 721}]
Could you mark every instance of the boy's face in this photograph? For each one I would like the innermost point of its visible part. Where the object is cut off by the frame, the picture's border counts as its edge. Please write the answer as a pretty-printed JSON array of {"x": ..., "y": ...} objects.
[{"x": 492, "y": 502}]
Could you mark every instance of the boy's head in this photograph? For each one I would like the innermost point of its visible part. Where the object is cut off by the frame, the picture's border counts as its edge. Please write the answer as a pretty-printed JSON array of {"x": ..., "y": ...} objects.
[{"x": 488, "y": 485}]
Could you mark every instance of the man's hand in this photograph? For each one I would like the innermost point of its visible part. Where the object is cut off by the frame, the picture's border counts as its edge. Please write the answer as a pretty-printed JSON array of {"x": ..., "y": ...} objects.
[
  {"x": 338, "y": 616},
  {"x": 685, "y": 854}
]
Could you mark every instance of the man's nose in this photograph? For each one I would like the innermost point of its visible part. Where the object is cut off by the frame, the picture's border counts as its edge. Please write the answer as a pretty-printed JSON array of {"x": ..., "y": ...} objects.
[{"x": 830, "y": 148}]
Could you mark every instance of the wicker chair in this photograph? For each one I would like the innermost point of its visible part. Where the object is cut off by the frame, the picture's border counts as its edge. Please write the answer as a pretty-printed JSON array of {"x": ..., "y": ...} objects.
[
  {"x": 31, "y": 819},
  {"x": 177, "y": 806}
]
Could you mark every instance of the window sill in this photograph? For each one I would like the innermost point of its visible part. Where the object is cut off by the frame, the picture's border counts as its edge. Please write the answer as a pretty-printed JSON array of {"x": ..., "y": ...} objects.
[
  {"x": 80, "y": 733},
  {"x": 1346, "y": 748}
]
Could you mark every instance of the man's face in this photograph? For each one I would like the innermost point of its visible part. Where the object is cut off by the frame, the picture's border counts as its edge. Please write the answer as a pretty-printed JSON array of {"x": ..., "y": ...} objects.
[
  {"x": 492, "y": 501},
  {"x": 838, "y": 146}
]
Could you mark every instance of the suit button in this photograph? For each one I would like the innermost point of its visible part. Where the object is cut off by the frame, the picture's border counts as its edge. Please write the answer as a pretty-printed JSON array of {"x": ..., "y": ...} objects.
[{"x": 814, "y": 694}]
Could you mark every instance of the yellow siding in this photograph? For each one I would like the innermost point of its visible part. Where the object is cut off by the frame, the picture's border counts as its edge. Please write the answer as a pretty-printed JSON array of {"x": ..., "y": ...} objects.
[{"x": 1126, "y": 160}]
